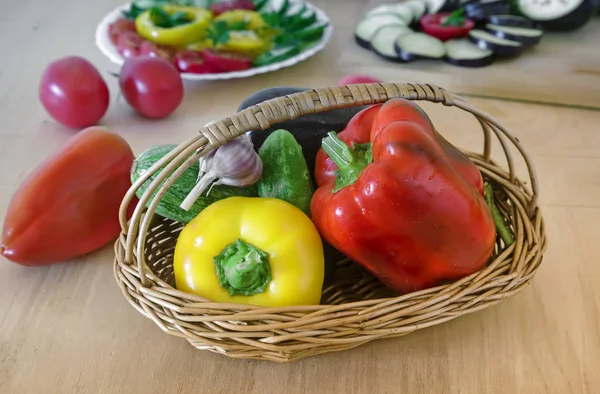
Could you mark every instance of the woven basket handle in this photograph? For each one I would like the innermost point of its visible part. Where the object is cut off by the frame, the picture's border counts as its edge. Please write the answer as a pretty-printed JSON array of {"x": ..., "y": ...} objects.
[{"x": 262, "y": 116}]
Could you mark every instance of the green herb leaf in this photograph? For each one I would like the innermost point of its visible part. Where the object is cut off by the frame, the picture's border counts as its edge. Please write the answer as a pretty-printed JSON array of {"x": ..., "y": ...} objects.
[
  {"x": 218, "y": 32},
  {"x": 133, "y": 12},
  {"x": 456, "y": 18},
  {"x": 239, "y": 25},
  {"x": 163, "y": 19}
]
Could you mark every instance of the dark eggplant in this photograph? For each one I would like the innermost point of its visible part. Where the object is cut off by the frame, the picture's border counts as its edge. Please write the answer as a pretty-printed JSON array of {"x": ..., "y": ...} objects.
[
  {"x": 500, "y": 46},
  {"x": 511, "y": 20},
  {"x": 480, "y": 10},
  {"x": 383, "y": 42},
  {"x": 435, "y": 6},
  {"x": 462, "y": 52},
  {"x": 559, "y": 15},
  {"x": 524, "y": 35},
  {"x": 365, "y": 30},
  {"x": 309, "y": 130},
  {"x": 416, "y": 46}
]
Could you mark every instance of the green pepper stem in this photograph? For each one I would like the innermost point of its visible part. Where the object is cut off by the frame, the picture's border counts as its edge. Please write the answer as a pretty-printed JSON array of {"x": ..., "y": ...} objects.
[
  {"x": 505, "y": 234},
  {"x": 243, "y": 269},
  {"x": 349, "y": 160}
]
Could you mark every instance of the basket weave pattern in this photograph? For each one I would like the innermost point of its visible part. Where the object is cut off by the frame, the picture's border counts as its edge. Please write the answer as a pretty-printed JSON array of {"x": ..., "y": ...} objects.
[{"x": 355, "y": 308}]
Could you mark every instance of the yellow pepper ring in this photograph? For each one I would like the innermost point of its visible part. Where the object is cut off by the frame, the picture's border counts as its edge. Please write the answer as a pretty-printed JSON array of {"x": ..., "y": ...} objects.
[
  {"x": 251, "y": 250},
  {"x": 177, "y": 35}
]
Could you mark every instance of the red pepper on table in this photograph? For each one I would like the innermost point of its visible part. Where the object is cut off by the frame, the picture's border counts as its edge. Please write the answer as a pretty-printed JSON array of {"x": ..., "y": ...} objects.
[
  {"x": 446, "y": 26},
  {"x": 363, "y": 127},
  {"x": 399, "y": 207},
  {"x": 69, "y": 205}
]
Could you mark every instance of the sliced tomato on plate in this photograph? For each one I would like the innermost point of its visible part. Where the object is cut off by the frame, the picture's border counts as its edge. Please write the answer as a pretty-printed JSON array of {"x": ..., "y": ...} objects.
[
  {"x": 151, "y": 49},
  {"x": 226, "y": 61},
  {"x": 118, "y": 27},
  {"x": 189, "y": 61},
  {"x": 129, "y": 44}
]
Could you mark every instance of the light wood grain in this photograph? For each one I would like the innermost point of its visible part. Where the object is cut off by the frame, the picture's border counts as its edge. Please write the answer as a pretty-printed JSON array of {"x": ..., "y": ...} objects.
[
  {"x": 67, "y": 328},
  {"x": 562, "y": 69}
]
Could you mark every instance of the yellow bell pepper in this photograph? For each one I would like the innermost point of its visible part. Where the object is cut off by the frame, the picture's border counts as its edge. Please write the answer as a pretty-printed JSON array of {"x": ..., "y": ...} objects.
[
  {"x": 244, "y": 41},
  {"x": 252, "y": 19},
  {"x": 178, "y": 35},
  {"x": 251, "y": 250}
]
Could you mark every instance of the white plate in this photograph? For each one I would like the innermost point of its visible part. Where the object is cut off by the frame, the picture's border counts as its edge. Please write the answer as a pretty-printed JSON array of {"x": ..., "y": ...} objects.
[{"x": 109, "y": 50}]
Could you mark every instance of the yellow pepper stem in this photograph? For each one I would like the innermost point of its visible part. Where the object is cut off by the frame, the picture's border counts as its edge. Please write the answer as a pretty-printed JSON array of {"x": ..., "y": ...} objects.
[{"x": 243, "y": 269}]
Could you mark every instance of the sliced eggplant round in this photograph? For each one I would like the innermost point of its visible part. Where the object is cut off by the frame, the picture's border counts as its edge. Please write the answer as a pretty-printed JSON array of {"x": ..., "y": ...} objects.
[
  {"x": 365, "y": 30},
  {"x": 400, "y": 10},
  {"x": 417, "y": 46},
  {"x": 478, "y": 10},
  {"x": 500, "y": 46},
  {"x": 511, "y": 20},
  {"x": 418, "y": 8},
  {"x": 524, "y": 35},
  {"x": 384, "y": 39},
  {"x": 462, "y": 52},
  {"x": 559, "y": 15}
]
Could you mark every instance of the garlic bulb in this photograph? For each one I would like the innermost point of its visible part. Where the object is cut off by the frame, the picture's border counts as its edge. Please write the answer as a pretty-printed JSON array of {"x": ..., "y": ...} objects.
[{"x": 234, "y": 164}]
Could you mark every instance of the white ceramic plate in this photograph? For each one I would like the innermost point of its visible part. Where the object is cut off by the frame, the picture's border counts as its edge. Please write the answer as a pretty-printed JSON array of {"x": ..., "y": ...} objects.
[{"x": 109, "y": 50}]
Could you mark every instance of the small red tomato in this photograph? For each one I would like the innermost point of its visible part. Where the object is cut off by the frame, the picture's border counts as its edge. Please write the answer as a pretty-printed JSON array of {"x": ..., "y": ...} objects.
[
  {"x": 226, "y": 61},
  {"x": 188, "y": 61},
  {"x": 73, "y": 92},
  {"x": 151, "y": 85},
  {"x": 353, "y": 79},
  {"x": 154, "y": 50},
  {"x": 120, "y": 26},
  {"x": 129, "y": 44}
]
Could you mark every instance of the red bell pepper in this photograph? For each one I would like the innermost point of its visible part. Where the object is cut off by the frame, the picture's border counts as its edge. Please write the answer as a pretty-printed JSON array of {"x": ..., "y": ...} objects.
[
  {"x": 363, "y": 127},
  {"x": 69, "y": 205},
  {"x": 399, "y": 207}
]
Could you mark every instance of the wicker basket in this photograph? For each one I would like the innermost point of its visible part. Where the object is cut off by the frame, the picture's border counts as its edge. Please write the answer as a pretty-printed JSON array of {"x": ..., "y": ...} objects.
[{"x": 356, "y": 308}]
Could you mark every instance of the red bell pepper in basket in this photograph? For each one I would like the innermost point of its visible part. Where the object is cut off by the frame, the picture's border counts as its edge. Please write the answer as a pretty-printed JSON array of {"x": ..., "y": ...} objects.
[
  {"x": 368, "y": 122},
  {"x": 398, "y": 206}
]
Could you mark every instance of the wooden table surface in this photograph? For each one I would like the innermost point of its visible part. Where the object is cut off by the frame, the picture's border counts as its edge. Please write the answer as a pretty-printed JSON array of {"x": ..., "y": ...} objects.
[{"x": 67, "y": 328}]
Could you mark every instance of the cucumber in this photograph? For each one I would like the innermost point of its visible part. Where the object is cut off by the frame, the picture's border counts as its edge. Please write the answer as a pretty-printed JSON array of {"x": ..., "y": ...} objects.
[
  {"x": 311, "y": 33},
  {"x": 276, "y": 55},
  {"x": 285, "y": 172},
  {"x": 169, "y": 205}
]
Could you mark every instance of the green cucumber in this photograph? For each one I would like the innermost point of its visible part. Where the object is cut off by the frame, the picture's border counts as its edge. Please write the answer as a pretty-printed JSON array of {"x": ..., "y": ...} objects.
[
  {"x": 169, "y": 205},
  {"x": 292, "y": 17},
  {"x": 302, "y": 22},
  {"x": 311, "y": 33},
  {"x": 284, "y": 7},
  {"x": 285, "y": 173},
  {"x": 260, "y": 4},
  {"x": 276, "y": 55}
]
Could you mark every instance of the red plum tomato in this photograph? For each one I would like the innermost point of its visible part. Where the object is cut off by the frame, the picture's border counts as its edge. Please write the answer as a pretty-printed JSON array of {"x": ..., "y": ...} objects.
[
  {"x": 73, "y": 92},
  {"x": 151, "y": 85}
]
